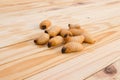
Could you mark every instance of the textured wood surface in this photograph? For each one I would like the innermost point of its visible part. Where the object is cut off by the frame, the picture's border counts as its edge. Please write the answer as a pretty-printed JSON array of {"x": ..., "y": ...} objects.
[
  {"x": 102, "y": 75},
  {"x": 21, "y": 59}
]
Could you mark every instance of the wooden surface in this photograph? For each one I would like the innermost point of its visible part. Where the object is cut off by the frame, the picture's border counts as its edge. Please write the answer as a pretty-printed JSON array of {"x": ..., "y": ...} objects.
[
  {"x": 21, "y": 59},
  {"x": 101, "y": 75}
]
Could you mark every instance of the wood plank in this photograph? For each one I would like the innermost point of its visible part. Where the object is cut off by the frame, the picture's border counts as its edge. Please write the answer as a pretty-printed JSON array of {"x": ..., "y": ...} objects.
[
  {"x": 13, "y": 5},
  {"x": 17, "y": 51},
  {"x": 28, "y": 24},
  {"x": 21, "y": 50},
  {"x": 49, "y": 58},
  {"x": 21, "y": 59},
  {"x": 101, "y": 75},
  {"x": 78, "y": 68}
]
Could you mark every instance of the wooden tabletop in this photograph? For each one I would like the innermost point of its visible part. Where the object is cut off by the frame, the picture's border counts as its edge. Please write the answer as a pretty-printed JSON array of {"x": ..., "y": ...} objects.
[{"x": 21, "y": 59}]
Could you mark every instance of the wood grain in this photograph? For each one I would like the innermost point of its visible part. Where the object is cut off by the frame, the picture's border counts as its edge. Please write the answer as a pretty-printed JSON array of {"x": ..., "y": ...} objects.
[
  {"x": 53, "y": 55},
  {"x": 21, "y": 59},
  {"x": 24, "y": 47},
  {"x": 101, "y": 75},
  {"x": 26, "y": 26},
  {"x": 75, "y": 70}
]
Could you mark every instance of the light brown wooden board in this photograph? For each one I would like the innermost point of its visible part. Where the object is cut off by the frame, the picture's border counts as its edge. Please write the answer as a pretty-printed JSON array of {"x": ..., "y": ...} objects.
[
  {"x": 20, "y": 58},
  {"x": 25, "y": 24},
  {"x": 101, "y": 75}
]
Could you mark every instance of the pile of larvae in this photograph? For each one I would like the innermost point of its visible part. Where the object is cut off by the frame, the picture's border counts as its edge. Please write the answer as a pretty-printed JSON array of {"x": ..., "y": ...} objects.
[{"x": 72, "y": 38}]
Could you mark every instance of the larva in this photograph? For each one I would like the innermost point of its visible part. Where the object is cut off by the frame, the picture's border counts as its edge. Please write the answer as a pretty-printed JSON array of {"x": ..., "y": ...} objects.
[
  {"x": 74, "y": 26},
  {"x": 65, "y": 33},
  {"x": 76, "y": 32},
  {"x": 88, "y": 37},
  {"x": 79, "y": 39},
  {"x": 43, "y": 39},
  {"x": 53, "y": 31},
  {"x": 72, "y": 47},
  {"x": 55, "y": 41},
  {"x": 45, "y": 24}
]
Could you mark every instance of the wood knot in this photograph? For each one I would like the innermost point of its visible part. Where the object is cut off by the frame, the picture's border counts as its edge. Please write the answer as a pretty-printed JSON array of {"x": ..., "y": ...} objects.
[{"x": 111, "y": 70}]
